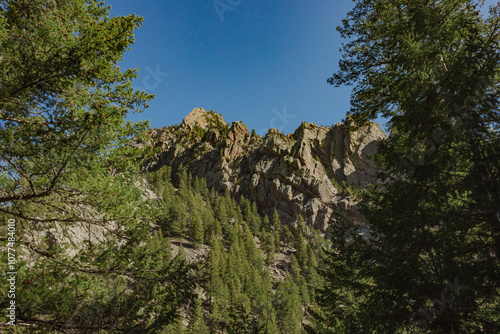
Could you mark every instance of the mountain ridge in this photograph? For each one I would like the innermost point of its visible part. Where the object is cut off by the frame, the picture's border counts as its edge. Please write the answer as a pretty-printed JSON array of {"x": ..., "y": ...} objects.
[{"x": 304, "y": 172}]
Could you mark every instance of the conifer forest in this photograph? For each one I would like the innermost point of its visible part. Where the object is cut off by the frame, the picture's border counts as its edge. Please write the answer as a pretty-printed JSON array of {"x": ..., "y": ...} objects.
[{"x": 108, "y": 225}]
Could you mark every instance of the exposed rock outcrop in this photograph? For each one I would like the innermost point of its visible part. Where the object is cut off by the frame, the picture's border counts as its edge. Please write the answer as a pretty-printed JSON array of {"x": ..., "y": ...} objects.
[{"x": 297, "y": 173}]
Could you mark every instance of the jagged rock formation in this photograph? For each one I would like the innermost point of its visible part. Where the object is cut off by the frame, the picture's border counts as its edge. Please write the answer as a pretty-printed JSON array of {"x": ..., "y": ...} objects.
[{"x": 297, "y": 173}]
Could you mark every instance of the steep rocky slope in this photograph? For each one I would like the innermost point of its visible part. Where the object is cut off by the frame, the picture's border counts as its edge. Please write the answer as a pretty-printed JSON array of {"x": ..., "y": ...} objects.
[{"x": 297, "y": 173}]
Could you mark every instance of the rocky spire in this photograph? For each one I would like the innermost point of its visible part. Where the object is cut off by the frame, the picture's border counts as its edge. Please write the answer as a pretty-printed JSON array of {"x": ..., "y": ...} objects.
[{"x": 306, "y": 172}]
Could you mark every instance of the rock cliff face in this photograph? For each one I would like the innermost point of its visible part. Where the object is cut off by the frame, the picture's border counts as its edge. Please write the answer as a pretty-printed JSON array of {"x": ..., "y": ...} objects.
[{"x": 298, "y": 173}]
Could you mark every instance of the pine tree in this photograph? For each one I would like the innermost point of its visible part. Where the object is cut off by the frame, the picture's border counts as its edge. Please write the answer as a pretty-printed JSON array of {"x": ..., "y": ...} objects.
[
  {"x": 237, "y": 211},
  {"x": 158, "y": 178},
  {"x": 310, "y": 269},
  {"x": 288, "y": 237},
  {"x": 213, "y": 197},
  {"x": 175, "y": 328},
  {"x": 233, "y": 235},
  {"x": 294, "y": 269},
  {"x": 221, "y": 213},
  {"x": 203, "y": 189},
  {"x": 218, "y": 295},
  {"x": 301, "y": 225},
  {"x": 266, "y": 224},
  {"x": 249, "y": 244},
  {"x": 267, "y": 245},
  {"x": 168, "y": 193},
  {"x": 184, "y": 185},
  {"x": 68, "y": 166},
  {"x": 246, "y": 208},
  {"x": 277, "y": 228},
  {"x": 54, "y": 115},
  {"x": 160, "y": 246},
  {"x": 218, "y": 228},
  {"x": 277, "y": 240},
  {"x": 271, "y": 324},
  {"x": 209, "y": 221},
  {"x": 288, "y": 307},
  {"x": 300, "y": 249},
  {"x": 239, "y": 312},
  {"x": 178, "y": 218},
  {"x": 197, "y": 323},
  {"x": 276, "y": 221},
  {"x": 431, "y": 69},
  {"x": 254, "y": 219},
  {"x": 197, "y": 231}
]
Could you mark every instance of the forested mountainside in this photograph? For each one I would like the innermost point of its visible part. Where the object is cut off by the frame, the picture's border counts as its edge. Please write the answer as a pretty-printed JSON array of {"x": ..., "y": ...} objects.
[
  {"x": 232, "y": 232},
  {"x": 107, "y": 226},
  {"x": 263, "y": 206},
  {"x": 308, "y": 173},
  {"x": 253, "y": 274}
]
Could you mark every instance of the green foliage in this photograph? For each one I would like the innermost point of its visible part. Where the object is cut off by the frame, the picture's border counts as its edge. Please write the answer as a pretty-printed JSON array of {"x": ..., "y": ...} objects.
[
  {"x": 276, "y": 222},
  {"x": 63, "y": 108},
  {"x": 175, "y": 328},
  {"x": 430, "y": 262},
  {"x": 69, "y": 177},
  {"x": 287, "y": 237},
  {"x": 199, "y": 131},
  {"x": 301, "y": 225},
  {"x": 353, "y": 191},
  {"x": 266, "y": 223},
  {"x": 288, "y": 307},
  {"x": 221, "y": 213},
  {"x": 214, "y": 121},
  {"x": 159, "y": 179},
  {"x": 268, "y": 245},
  {"x": 69, "y": 173},
  {"x": 300, "y": 248},
  {"x": 197, "y": 230},
  {"x": 197, "y": 322},
  {"x": 240, "y": 293}
]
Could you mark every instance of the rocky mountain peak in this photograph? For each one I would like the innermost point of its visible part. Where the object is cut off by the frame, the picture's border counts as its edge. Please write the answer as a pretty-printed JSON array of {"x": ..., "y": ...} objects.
[
  {"x": 199, "y": 117},
  {"x": 305, "y": 173}
]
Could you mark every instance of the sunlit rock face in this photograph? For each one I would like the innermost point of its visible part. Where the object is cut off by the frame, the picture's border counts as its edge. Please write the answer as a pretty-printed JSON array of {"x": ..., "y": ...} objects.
[{"x": 297, "y": 173}]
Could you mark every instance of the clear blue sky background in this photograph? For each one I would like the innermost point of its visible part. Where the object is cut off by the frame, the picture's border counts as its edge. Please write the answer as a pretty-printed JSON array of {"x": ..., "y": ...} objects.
[{"x": 261, "y": 62}]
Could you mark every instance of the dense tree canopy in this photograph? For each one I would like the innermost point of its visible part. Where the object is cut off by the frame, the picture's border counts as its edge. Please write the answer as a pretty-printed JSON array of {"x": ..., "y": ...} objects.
[
  {"x": 431, "y": 261},
  {"x": 95, "y": 255},
  {"x": 63, "y": 100},
  {"x": 68, "y": 175},
  {"x": 242, "y": 294}
]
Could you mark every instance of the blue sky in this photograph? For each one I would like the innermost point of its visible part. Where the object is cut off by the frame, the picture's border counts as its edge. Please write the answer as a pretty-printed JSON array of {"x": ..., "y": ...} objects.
[{"x": 261, "y": 62}]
